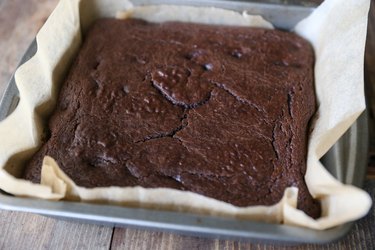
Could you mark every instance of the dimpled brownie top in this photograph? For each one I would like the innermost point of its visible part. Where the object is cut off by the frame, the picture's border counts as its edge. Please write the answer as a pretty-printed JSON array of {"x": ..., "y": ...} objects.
[{"x": 217, "y": 110}]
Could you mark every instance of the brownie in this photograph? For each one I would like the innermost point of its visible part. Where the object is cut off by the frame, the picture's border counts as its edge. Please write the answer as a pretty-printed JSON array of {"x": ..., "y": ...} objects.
[{"x": 217, "y": 110}]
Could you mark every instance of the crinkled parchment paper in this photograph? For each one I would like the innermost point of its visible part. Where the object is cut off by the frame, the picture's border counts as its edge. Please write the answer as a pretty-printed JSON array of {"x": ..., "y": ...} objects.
[{"x": 337, "y": 31}]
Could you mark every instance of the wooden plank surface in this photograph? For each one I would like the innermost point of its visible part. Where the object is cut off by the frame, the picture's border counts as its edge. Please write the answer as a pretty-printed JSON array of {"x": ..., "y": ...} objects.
[
  {"x": 28, "y": 231},
  {"x": 19, "y": 22}
]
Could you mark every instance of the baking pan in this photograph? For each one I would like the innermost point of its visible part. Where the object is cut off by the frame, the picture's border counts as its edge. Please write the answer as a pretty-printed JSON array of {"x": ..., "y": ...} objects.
[{"x": 346, "y": 161}]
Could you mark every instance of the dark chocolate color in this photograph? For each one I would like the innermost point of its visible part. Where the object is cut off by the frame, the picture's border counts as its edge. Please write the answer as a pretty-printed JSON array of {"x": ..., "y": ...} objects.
[{"x": 220, "y": 111}]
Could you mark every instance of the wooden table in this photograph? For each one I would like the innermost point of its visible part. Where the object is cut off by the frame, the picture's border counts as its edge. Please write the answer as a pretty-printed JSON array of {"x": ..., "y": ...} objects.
[{"x": 19, "y": 22}]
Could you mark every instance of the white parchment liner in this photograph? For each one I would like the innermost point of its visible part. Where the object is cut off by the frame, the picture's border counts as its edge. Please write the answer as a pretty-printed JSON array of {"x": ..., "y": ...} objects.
[{"x": 337, "y": 31}]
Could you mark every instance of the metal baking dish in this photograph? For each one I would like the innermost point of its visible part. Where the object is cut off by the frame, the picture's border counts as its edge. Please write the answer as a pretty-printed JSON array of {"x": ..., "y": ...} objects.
[{"x": 346, "y": 161}]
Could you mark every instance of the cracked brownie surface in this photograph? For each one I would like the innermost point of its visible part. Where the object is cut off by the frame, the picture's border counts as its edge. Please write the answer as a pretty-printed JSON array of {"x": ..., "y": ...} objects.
[{"x": 217, "y": 110}]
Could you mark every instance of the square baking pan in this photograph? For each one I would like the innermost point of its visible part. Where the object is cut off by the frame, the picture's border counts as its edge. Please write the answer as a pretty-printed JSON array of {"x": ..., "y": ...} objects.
[{"x": 346, "y": 160}]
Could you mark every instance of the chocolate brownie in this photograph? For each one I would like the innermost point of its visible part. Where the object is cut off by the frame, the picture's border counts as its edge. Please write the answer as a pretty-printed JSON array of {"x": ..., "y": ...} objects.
[{"x": 217, "y": 110}]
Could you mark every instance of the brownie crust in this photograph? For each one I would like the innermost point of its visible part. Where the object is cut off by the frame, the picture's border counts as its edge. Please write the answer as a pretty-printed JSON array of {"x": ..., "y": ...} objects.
[{"x": 217, "y": 110}]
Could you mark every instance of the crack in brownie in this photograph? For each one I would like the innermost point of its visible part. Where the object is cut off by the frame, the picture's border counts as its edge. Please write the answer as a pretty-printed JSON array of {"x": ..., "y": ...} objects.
[{"x": 217, "y": 110}]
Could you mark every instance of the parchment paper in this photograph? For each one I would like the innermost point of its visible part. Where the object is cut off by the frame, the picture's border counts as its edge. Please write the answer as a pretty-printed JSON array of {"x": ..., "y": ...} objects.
[{"x": 337, "y": 31}]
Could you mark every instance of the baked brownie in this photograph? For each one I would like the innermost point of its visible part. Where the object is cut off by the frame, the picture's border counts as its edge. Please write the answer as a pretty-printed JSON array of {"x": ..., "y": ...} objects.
[{"x": 217, "y": 110}]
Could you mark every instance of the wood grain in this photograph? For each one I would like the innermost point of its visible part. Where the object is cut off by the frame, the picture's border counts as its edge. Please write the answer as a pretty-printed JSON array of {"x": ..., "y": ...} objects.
[
  {"x": 19, "y": 22},
  {"x": 28, "y": 231},
  {"x": 141, "y": 239}
]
